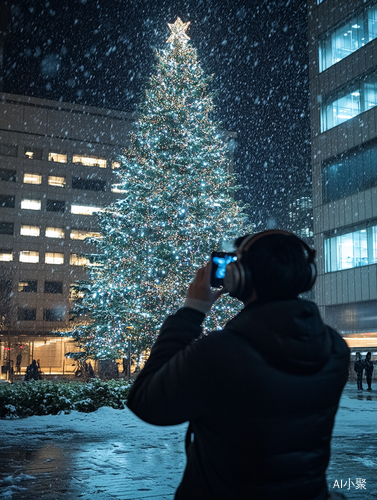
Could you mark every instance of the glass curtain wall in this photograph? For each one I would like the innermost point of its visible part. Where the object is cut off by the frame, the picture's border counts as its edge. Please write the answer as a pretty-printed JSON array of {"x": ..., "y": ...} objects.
[
  {"x": 353, "y": 249},
  {"x": 349, "y": 173},
  {"x": 359, "y": 97},
  {"x": 347, "y": 38}
]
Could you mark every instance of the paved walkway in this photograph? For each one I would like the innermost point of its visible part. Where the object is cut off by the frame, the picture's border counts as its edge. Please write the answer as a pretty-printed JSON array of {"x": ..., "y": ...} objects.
[{"x": 112, "y": 455}]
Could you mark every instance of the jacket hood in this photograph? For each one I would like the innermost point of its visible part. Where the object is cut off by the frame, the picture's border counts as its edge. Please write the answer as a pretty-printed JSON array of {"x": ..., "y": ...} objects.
[{"x": 289, "y": 334}]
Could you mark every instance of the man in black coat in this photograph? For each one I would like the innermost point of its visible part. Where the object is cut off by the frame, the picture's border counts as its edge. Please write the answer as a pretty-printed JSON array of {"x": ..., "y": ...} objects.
[
  {"x": 261, "y": 394},
  {"x": 359, "y": 368},
  {"x": 368, "y": 367},
  {"x": 32, "y": 372}
]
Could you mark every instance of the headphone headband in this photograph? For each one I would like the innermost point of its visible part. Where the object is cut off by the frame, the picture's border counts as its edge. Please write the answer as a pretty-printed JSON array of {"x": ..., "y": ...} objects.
[{"x": 252, "y": 238}]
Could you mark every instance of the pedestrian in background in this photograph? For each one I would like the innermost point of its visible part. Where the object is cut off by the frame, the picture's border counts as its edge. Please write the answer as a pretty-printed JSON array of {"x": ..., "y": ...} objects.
[
  {"x": 32, "y": 372},
  {"x": 368, "y": 367},
  {"x": 90, "y": 370},
  {"x": 125, "y": 366},
  {"x": 18, "y": 363},
  {"x": 11, "y": 371},
  {"x": 359, "y": 368}
]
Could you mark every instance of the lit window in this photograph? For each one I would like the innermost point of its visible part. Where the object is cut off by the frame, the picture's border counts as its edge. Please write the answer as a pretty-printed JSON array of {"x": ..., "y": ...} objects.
[
  {"x": 354, "y": 249},
  {"x": 29, "y": 256},
  {"x": 57, "y": 157},
  {"x": 31, "y": 204},
  {"x": 54, "y": 258},
  {"x": 342, "y": 42},
  {"x": 78, "y": 260},
  {"x": 56, "y": 181},
  {"x": 29, "y": 154},
  {"x": 116, "y": 189},
  {"x": 84, "y": 210},
  {"x": 346, "y": 107},
  {"x": 32, "y": 179},
  {"x": 360, "y": 97},
  {"x": 77, "y": 234},
  {"x": 89, "y": 161},
  {"x": 33, "y": 153},
  {"x": 54, "y": 232},
  {"x": 28, "y": 286},
  {"x": 6, "y": 255},
  {"x": 348, "y": 37},
  {"x": 372, "y": 22},
  {"x": 29, "y": 231},
  {"x": 115, "y": 164}
]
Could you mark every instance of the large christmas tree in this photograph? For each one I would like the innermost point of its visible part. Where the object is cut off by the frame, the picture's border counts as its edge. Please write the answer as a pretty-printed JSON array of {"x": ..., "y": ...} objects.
[{"x": 178, "y": 208}]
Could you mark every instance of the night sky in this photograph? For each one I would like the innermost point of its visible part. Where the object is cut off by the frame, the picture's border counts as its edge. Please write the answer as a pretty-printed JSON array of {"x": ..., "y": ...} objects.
[{"x": 101, "y": 53}]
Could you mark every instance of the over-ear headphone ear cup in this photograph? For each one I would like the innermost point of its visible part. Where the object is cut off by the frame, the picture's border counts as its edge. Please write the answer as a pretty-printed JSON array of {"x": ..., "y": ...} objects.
[
  {"x": 312, "y": 277},
  {"x": 248, "y": 283},
  {"x": 237, "y": 280},
  {"x": 232, "y": 279}
]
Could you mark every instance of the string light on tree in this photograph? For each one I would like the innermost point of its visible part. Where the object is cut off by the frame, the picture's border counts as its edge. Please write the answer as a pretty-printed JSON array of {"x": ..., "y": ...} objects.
[{"x": 178, "y": 206}]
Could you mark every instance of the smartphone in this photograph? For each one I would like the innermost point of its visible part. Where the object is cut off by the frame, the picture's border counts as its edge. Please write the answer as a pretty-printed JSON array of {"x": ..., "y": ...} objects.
[{"x": 219, "y": 262}]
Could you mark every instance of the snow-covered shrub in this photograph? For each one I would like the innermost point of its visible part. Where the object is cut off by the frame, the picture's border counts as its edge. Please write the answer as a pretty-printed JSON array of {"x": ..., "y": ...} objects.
[{"x": 44, "y": 397}]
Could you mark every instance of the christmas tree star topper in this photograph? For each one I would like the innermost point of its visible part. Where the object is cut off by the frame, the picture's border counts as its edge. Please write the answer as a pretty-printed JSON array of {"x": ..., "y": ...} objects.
[{"x": 178, "y": 31}]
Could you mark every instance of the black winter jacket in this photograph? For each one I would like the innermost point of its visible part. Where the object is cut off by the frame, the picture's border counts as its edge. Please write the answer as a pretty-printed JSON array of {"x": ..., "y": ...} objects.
[{"x": 261, "y": 396}]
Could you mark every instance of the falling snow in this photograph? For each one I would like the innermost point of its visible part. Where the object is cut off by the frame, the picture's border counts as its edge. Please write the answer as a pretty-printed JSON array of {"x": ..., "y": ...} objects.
[{"x": 101, "y": 54}]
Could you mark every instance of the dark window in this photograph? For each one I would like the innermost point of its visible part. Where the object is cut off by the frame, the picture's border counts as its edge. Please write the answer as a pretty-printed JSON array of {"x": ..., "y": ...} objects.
[
  {"x": 88, "y": 184},
  {"x": 27, "y": 286},
  {"x": 7, "y": 201},
  {"x": 53, "y": 287},
  {"x": 6, "y": 227},
  {"x": 55, "y": 206},
  {"x": 7, "y": 175},
  {"x": 350, "y": 172},
  {"x": 5, "y": 300},
  {"x": 8, "y": 150},
  {"x": 53, "y": 314},
  {"x": 355, "y": 317},
  {"x": 5, "y": 287},
  {"x": 33, "y": 153},
  {"x": 27, "y": 314}
]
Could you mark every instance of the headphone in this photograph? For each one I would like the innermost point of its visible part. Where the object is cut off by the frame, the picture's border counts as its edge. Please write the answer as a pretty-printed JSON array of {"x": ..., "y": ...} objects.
[{"x": 238, "y": 279}]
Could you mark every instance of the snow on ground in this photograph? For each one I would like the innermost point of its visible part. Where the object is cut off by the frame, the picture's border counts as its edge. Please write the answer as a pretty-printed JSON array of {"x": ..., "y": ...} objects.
[
  {"x": 108, "y": 454},
  {"x": 111, "y": 454}
]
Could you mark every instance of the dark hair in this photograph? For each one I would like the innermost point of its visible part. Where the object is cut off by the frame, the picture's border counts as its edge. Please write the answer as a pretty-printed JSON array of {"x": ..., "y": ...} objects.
[{"x": 279, "y": 266}]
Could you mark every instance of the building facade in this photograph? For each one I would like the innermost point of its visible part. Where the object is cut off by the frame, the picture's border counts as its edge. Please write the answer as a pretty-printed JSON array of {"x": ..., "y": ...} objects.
[
  {"x": 343, "y": 107},
  {"x": 57, "y": 165}
]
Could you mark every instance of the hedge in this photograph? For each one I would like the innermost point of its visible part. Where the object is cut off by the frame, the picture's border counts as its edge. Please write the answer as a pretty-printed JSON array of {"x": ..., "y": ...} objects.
[{"x": 50, "y": 398}]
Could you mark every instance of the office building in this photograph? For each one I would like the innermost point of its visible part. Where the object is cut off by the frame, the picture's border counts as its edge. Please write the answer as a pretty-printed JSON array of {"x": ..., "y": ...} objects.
[
  {"x": 57, "y": 164},
  {"x": 301, "y": 218},
  {"x": 343, "y": 106}
]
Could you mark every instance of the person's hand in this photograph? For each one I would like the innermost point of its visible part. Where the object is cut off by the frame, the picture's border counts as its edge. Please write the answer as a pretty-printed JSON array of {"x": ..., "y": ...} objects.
[{"x": 200, "y": 296}]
